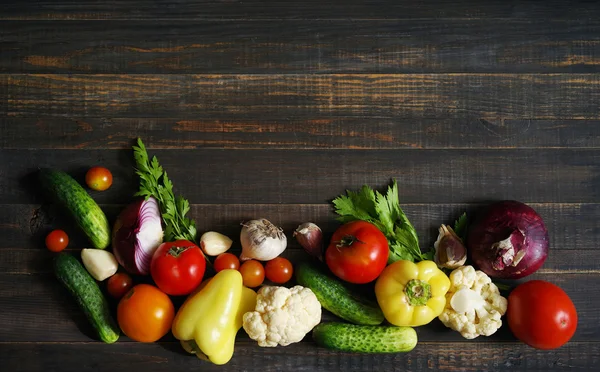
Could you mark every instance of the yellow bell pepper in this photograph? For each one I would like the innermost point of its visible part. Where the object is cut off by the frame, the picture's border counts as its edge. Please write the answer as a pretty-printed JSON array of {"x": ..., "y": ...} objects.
[
  {"x": 209, "y": 319},
  {"x": 411, "y": 294}
]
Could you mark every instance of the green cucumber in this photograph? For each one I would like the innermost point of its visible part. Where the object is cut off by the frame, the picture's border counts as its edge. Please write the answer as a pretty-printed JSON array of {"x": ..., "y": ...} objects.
[
  {"x": 67, "y": 192},
  {"x": 365, "y": 338},
  {"x": 336, "y": 297},
  {"x": 86, "y": 291}
]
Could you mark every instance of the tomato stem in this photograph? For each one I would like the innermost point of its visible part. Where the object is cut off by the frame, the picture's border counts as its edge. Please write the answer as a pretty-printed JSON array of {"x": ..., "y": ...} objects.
[
  {"x": 347, "y": 241},
  {"x": 176, "y": 251}
]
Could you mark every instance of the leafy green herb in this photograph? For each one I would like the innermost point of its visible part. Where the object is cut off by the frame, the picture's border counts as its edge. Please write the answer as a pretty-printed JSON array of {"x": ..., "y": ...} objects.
[
  {"x": 154, "y": 182},
  {"x": 384, "y": 212},
  {"x": 460, "y": 226}
]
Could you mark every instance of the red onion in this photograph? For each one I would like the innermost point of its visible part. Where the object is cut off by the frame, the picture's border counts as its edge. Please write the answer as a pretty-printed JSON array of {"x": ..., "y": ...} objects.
[
  {"x": 137, "y": 233},
  {"x": 508, "y": 240}
]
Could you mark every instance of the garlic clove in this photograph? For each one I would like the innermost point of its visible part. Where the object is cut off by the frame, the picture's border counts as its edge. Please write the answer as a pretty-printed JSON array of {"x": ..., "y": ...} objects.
[
  {"x": 100, "y": 263},
  {"x": 310, "y": 237},
  {"x": 450, "y": 251},
  {"x": 214, "y": 243}
]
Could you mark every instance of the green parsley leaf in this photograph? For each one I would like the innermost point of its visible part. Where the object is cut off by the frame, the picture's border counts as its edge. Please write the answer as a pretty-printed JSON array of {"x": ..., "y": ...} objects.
[
  {"x": 154, "y": 182},
  {"x": 383, "y": 211},
  {"x": 460, "y": 226}
]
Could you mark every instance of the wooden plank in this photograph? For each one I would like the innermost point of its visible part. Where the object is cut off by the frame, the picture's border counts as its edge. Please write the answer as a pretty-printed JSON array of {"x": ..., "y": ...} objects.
[
  {"x": 305, "y": 356},
  {"x": 300, "y": 357},
  {"x": 411, "y": 46},
  {"x": 481, "y": 96},
  {"x": 25, "y": 261},
  {"x": 310, "y": 9},
  {"x": 297, "y": 133},
  {"x": 571, "y": 227},
  {"x": 38, "y": 308},
  {"x": 210, "y": 176}
]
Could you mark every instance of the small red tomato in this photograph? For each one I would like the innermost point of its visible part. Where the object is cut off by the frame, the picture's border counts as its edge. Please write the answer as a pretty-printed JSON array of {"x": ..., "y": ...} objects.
[
  {"x": 253, "y": 273},
  {"x": 279, "y": 270},
  {"x": 541, "y": 315},
  {"x": 57, "y": 240},
  {"x": 177, "y": 267},
  {"x": 119, "y": 284},
  {"x": 98, "y": 178},
  {"x": 226, "y": 261},
  {"x": 358, "y": 252}
]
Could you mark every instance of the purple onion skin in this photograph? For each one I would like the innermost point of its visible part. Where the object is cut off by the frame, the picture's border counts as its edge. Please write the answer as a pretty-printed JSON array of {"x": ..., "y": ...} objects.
[
  {"x": 124, "y": 235},
  {"x": 527, "y": 232}
]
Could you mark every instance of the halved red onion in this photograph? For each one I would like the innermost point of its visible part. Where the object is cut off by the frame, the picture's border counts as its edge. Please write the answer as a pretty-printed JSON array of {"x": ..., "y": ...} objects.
[{"x": 137, "y": 233}]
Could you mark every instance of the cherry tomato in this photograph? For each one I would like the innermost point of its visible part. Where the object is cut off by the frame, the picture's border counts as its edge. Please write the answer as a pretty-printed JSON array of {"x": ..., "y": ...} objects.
[
  {"x": 145, "y": 313},
  {"x": 279, "y": 270},
  {"x": 57, "y": 240},
  {"x": 541, "y": 315},
  {"x": 253, "y": 273},
  {"x": 226, "y": 261},
  {"x": 98, "y": 178},
  {"x": 119, "y": 284},
  {"x": 358, "y": 252},
  {"x": 178, "y": 267}
]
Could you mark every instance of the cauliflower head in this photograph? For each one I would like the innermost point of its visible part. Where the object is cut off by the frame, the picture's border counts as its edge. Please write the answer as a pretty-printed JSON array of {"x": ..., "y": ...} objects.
[
  {"x": 474, "y": 306},
  {"x": 282, "y": 316}
]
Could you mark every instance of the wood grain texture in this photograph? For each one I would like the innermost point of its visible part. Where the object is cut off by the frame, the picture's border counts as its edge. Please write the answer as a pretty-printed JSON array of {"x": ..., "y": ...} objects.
[
  {"x": 571, "y": 227},
  {"x": 37, "y": 308},
  {"x": 294, "y": 176},
  {"x": 304, "y": 356},
  {"x": 411, "y": 46},
  {"x": 481, "y": 96},
  {"x": 296, "y": 133},
  {"x": 272, "y": 109},
  {"x": 281, "y": 9},
  {"x": 34, "y": 260}
]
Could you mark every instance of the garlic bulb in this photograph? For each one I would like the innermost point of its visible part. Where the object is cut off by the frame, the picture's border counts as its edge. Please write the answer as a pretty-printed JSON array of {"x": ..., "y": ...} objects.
[{"x": 261, "y": 240}]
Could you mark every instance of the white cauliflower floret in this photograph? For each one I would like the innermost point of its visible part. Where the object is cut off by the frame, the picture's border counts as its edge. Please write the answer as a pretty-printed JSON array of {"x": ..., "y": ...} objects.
[
  {"x": 282, "y": 316},
  {"x": 474, "y": 306}
]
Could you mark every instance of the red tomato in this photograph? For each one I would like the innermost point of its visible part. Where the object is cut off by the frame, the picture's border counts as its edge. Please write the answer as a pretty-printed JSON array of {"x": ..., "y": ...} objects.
[
  {"x": 145, "y": 314},
  {"x": 98, "y": 178},
  {"x": 177, "y": 267},
  {"x": 279, "y": 270},
  {"x": 541, "y": 315},
  {"x": 226, "y": 261},
  {"x": 118, "y": 285},
  {"x": 253, "y": 273},
  {"x": 57, "y": 240},
  {"x": 358, "y": 252}
]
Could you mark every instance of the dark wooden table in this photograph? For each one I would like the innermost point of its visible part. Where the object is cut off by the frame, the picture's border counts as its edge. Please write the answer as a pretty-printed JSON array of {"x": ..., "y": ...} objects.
[{"x": 274, "y": 108}]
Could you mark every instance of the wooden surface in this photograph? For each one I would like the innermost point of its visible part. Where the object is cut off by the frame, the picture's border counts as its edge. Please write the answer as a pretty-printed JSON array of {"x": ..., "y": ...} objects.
[{"x": 274, "y": 108}]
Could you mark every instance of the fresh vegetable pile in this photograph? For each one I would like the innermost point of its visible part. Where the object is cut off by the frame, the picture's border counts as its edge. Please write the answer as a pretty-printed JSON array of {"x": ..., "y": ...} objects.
[{"x": 152, "y": 255}]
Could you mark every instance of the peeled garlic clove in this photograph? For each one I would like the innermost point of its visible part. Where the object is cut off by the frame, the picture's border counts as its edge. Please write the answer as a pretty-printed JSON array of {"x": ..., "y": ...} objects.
[
  {"x": 450, "y": 251},
  {"x": 100, "y": 263},
  {"x": 214, "y": 243},
  {"x": 310, "y": 237}
]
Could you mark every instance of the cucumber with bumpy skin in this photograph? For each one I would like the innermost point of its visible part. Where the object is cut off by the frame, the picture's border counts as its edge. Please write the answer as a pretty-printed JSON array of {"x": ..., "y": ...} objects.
[
  {"x": 64, "y": 190},
  {"x": 336, "y": 297},
  {"x": 365, "y": 339},
  {"x": 86, "y": 291}
]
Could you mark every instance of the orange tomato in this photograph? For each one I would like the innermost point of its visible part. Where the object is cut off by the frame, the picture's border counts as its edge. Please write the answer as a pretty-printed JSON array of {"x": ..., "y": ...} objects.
[
  {"x": 145, "y": 313},
  {"x": 98, "y": 178}
]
